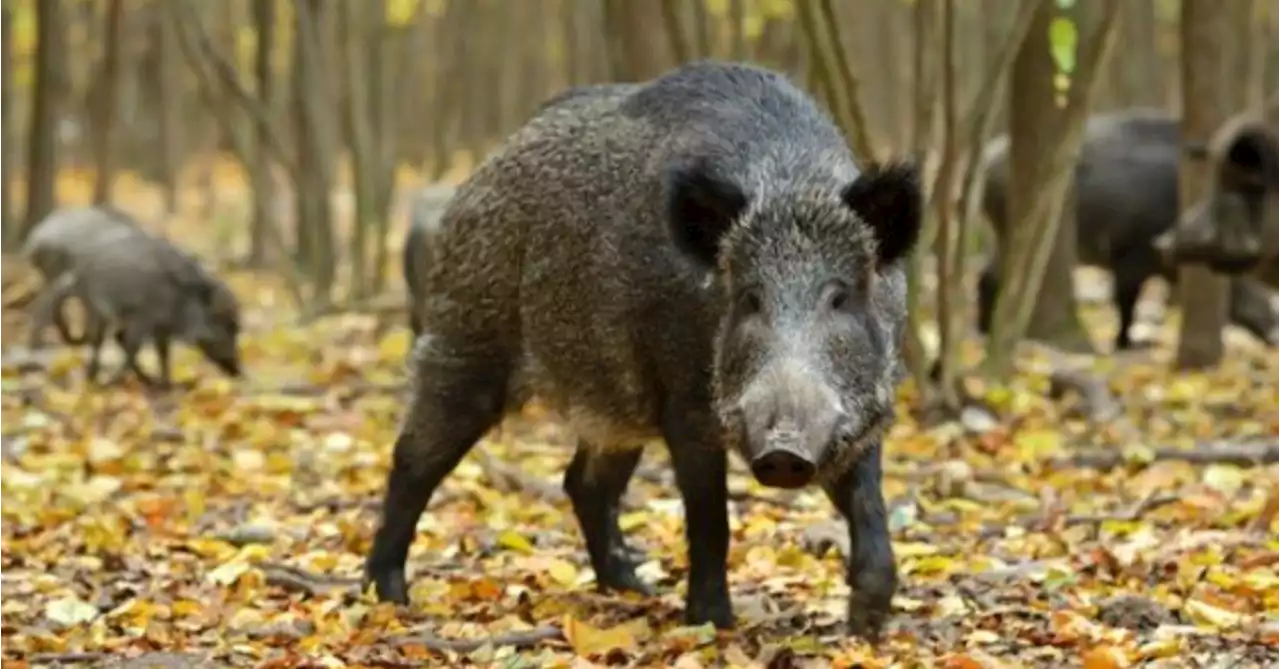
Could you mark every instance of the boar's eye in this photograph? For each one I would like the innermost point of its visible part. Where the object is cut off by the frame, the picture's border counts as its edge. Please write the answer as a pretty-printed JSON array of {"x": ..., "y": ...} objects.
[{"x": 838, "y": 296}]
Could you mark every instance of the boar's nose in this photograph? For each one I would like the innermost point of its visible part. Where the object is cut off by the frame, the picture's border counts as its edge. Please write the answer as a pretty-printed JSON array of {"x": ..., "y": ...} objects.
[{"x": 783, "y": 467}]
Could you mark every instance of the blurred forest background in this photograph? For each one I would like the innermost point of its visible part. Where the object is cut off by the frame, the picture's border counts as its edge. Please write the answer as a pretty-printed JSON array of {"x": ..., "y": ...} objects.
[{"x": 296, "y": 132}]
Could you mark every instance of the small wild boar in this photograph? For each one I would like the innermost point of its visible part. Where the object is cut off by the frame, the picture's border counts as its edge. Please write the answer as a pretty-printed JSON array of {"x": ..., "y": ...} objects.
[
  {"x": 144, "y": 288},
  {"x": 697, "y": 259}
]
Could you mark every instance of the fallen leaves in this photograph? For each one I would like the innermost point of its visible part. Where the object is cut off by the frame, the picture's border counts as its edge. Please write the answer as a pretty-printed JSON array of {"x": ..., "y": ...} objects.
[{"x": 229, "y": 523}]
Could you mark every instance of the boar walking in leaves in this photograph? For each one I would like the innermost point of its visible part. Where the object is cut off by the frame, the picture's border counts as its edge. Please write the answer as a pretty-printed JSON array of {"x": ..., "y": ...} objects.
[
  {"x": 141, "y": 287},
  {"x": 696, "y": 259}
]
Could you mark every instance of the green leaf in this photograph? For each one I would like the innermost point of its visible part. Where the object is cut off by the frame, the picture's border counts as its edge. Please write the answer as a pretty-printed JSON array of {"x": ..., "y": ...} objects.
[{"x": 1062, "y": 43}]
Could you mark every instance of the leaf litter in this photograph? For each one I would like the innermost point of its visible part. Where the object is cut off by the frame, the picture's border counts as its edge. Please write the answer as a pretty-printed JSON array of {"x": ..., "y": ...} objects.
[{"x": 226, "y": 524}]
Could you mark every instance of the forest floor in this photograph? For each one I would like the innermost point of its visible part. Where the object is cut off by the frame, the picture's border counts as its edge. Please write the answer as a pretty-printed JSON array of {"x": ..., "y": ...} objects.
[{"x": 224, "y": 524}]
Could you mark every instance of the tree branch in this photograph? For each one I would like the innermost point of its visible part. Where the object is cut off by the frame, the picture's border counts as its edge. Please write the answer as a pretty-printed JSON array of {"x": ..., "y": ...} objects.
[
  {"x": 196, "y": 43},
  {"x": 1240, "y": 454},
  {"x": 522, "y": 639}
]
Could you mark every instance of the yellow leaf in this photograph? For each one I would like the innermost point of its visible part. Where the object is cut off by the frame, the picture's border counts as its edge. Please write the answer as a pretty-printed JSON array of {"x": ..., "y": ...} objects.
[
  {"x": 400, "y": 12},
  {"x": 1037, "y": 444},
  {"x": 563, "y": 572},
  {"x": 907, "y": 549},
  {"x": 515, "y": 541},
  {"x": 588, "y": 640},
  {"x": 227, "y": 573},
  {"x": 1226, "y": 479},
  {"x": 1208, "y": 615}
]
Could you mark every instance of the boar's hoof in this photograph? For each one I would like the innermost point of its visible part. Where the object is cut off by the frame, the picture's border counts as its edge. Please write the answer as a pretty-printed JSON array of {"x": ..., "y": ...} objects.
[
  {"x": 622, "y": 578},
  {"x": 869, "y": 607},
  {"x": 716, "y": 613},
  {"x": 783, "y": 468},
  {"x": 389, "y": 585}
]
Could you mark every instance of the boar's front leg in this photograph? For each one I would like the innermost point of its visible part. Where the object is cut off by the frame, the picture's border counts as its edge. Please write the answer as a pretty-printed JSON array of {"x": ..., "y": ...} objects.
[
  {"x": 701, "y": 470},
  {"x": 870, "y": 568},
  {"x": 96, "y": 336},
  {"x": 130, "y": 339},
  {"x": 595, "y": 482}
]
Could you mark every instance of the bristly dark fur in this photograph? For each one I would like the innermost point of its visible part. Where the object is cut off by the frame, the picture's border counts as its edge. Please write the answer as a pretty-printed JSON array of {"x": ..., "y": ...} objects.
[{"x": 601, "y": 259}]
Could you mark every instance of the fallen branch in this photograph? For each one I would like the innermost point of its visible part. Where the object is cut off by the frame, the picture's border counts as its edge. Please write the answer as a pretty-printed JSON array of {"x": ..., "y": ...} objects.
[
  {"x": 522, "y": 639},
  {"x": 1240, "y": 454},
  {"x": 298, "y": 579},
  {"x": 57, "y": 658}
]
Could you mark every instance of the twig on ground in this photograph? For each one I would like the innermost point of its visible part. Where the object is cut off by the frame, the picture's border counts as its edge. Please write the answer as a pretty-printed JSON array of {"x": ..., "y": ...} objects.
[
  {"x": 521, "y": 639},
  {"x": 1242, "y": 454},
  {"x": 54, "y": 658},
  {"x": 299, "y": 579}
]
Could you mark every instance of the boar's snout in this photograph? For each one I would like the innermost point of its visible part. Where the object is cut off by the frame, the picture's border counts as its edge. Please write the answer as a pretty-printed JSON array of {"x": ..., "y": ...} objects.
[
  {"x": 783, "y": 466},
  {"x": 788, "y": 430}
]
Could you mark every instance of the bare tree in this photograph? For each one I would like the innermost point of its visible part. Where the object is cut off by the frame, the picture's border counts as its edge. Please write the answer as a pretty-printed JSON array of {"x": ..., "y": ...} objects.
[
  {"x": 108, "y": 104},
  {"x": 1206, "y": 27},
  {"x": 8, "y": 222},
  {"x": 635, "y": 35},
  {"x": 261, "y": 185},
  {"x": 46, "y": 110},
  {"x": 924, "y": 68},
  {"x": 1043, "y": 145},
  {"x": 312, "y": 102},
  {"x": 169, "y": 98}
]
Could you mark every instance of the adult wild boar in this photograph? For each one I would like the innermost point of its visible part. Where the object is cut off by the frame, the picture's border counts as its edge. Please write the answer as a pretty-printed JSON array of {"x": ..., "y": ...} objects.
[{"x": 697, "y": 259}]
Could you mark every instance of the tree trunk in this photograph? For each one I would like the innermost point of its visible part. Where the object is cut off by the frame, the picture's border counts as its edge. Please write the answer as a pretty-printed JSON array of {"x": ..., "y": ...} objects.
[
  {"x": 1054, "y": 317},
  {"x": 637, "y": 46},
  {"x": 169, "y": 99},
  {"x": 1044, "y": 143},
  {"x": 924, "y": 73},
  {"x": 8, "y": 222},
  {"x": 261, "y": 185},
  {"x": 1141, "y": 65},
  {"x": 108, "y": 103},
  {"x": 1206, "y": 94},
  {"x": 312, "y": 101},
  {"x": 46, "y": 111}
]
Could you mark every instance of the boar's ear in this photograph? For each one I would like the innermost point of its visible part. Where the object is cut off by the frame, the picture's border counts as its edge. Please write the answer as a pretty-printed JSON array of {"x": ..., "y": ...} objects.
[
  {"x": 700, "y": 206},
  {"x": 887, "y": 198}
]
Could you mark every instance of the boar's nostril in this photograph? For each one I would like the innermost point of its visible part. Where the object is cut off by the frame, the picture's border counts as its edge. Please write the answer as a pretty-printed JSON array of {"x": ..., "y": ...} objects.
[{"x": 782, "y": 468}]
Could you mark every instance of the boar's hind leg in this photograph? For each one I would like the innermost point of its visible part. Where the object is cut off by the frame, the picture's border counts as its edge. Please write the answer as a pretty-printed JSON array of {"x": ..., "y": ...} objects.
[
  {"x": 699, "y": 460},
  {"x": 1131, "y": 270},
  {"x": 871, "y": 573},
  {"x": 458, "y": 395},
  {"x": 595, "y": 483}
]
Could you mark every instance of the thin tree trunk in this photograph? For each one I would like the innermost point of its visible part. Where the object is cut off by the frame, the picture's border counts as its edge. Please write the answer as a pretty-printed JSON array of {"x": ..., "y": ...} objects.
[
  {"x": 312, "y": 100},
  {"x": 942, "y": 209},
  {"x": 924, "y": 73},
  {"x": 1205, "y": 95},
  {"x": 8, "y": 222},
  {"x": 261, "y": 185},
  {"x": 104, "y": 121},
  {"x": 1043, "y": 145},
  {"x": 169, "y": 101},
  {"x": 46, "y": 111}
]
